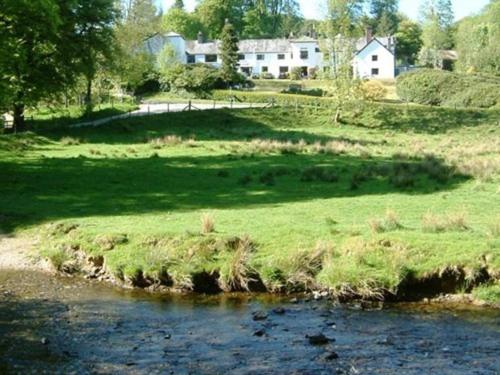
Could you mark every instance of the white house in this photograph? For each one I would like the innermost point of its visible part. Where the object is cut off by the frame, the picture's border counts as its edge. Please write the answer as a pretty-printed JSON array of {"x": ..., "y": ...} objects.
[{"x": 374, "y": 57}]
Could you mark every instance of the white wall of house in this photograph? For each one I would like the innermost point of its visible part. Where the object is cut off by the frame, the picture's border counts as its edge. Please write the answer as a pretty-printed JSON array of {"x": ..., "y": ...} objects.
[
  {"x": 302, "y": 53},
  {"x": 375, "y": 61},
  {"x": 179, "y": 45}
]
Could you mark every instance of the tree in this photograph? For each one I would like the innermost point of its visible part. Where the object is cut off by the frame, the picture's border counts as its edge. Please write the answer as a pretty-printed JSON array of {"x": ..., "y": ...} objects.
[
  {"x": 385, "y": 16},
  {"x": 140, "y": 20},
  {"x": 95, "y": 39},
  {"x": 477, "y": 41},
  {"x": 229, "y": 52},
  {"x": 181, "y": 22},
  {"x": 213, "y": 14},
  {"x": 409, "y": 40},
  {"x": 437, "y": 18},
  {"x": 46, "y": 45},
  {"x": 342, "y": 27},
  {"x": 179, "y": 4}
]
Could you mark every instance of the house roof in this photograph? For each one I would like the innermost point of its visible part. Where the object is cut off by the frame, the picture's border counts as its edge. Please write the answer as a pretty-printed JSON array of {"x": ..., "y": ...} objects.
[
  {"x": 245, "y": 46},
  {"x": 155, "y": 44},
  {"x": 376, "y": 40}
]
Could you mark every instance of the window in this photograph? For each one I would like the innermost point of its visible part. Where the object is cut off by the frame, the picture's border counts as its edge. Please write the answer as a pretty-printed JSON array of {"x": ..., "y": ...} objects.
[
  {"x": 375, "y": 72},
  {"x": 317, "y": 50},
  {"x": 260, "y": 56},
  {"x": 241, "y": 57},
  {"x": 374, "y": 57},
  {"x": 304, "y": 54},
  {"x": 210, "y": 58},
  {"x": 283, "y": 69},
  {"x": 281, "y": 56},
  {"x": 265, "y": 69},
  {"x": 190, "y": 59}
]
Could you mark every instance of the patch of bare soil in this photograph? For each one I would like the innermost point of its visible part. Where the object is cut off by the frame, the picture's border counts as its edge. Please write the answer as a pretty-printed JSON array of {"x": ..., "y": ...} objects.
[{"x": 18, "y": 253}]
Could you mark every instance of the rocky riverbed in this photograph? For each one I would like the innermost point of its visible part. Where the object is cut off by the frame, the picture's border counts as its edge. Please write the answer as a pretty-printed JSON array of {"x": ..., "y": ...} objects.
[{"x": 66, "y": 325}]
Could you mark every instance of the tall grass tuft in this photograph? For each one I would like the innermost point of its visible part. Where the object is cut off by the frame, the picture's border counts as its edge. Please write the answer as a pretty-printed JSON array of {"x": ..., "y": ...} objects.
[
  {"x": 235, "y": 272},
  {"x": 449, "y": 222},
  {"x": 207, "y": 224},
  {"x": 389, "y": 222},
  {"x": 69, "y": 141}
]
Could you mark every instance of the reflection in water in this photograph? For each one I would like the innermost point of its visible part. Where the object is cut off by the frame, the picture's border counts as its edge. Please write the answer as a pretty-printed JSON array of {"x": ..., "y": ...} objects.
[{"x": 73, "y": 325}]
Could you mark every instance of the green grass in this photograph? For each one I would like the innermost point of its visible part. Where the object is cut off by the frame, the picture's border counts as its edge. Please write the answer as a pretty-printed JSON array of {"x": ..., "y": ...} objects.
[
  {"x": 305, "y": 192},
  {"x": 50, "y": 117}
]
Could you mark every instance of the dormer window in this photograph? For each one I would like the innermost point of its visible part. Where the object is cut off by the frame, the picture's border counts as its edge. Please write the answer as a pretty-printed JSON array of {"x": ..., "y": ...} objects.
[
  {"x": 260, "y": 56},
  {"x": 374, "y": 57}
]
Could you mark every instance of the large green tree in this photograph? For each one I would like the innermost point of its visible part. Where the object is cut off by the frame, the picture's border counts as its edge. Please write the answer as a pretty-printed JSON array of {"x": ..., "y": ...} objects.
[
  {"x": 409, "y": 40},
  {"x": 385, "y": 16},
  {"x": 229, "y": 52},
  {"x": 45, "y": 46},
  {"x": 437, "y": 17},
  {"x": 139, "y": 21},
  {"x": 342, "y": 27},
  {"x": 213, "y": 14},
  {"x": 182, "y": 22},
  {"x": 477, "y": 41},
  {"x": 95, "y": 39}
]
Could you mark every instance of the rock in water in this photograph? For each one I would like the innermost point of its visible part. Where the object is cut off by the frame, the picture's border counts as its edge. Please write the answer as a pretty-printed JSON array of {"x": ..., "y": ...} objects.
[
  {"x": 279, "y": 310},
  {"x": 318, "y": 339},
  {"x": 259, "y": 315},
  {"x": 330, "y": 356}
]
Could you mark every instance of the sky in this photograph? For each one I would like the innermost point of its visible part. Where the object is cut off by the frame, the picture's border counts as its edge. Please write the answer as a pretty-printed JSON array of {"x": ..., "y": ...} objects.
[{"x": 315, "y": 8}]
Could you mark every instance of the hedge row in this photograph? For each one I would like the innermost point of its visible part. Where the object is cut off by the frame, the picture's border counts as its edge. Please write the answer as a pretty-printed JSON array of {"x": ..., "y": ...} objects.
[
  {"x": 277, "y": 98},
  {"x": 438, "y": 87}
]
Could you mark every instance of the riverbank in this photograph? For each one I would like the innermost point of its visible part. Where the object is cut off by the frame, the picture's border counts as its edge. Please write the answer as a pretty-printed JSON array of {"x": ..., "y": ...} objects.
[{"x": 398, "y": 202}]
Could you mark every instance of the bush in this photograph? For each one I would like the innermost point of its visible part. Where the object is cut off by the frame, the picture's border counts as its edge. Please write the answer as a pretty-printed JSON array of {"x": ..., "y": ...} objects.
[
  {"x": 279, "y": 99},
  {"x": 296, "y": 73},
  {"x": 373, "y": 90},
  {"x": 438, "y": 87},
  {"x": 195, "y": 78},
  {"x": 266, "y": 75}
]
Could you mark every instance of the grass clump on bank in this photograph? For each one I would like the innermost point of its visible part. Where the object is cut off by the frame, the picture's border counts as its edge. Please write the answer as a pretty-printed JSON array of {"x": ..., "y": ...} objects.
[{"x": 299, "y": 203}]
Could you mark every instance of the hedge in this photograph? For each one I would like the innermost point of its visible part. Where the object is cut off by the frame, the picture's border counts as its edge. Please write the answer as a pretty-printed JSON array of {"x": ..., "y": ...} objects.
[
  {"x": 438, "y": 87},
  {"x": 277, "y": 98}
]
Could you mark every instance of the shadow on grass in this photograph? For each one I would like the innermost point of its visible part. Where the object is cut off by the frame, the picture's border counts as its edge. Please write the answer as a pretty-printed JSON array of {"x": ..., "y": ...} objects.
[
  {"x": 44, "y": 189},
  {"x": 419, "y": 119}
]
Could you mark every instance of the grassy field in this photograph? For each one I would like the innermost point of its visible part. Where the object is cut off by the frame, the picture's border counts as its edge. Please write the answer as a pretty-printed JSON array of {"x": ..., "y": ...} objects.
[
  {"x": 59, "y": 116},
  {"x": 396, "y": 195}
]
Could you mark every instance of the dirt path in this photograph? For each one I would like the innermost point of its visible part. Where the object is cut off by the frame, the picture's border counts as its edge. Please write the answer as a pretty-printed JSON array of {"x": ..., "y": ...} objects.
[{"x": 17, "y": 253}]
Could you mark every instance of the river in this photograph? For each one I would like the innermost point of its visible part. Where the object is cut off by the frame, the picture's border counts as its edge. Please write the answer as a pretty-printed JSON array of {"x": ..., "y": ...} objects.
[{"x": 51, "y": 324}]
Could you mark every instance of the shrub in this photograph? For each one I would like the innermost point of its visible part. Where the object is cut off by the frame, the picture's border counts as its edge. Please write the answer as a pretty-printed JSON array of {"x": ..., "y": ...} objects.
[
  {"x": 296, "y": 73},
  {"x": 266, "y": 75},
  {"x": 437, "y": 87},
  {"x": 372, "y": 90},
  {"x": 195, "y": 78},
  {"x": 318, "y": 174}
]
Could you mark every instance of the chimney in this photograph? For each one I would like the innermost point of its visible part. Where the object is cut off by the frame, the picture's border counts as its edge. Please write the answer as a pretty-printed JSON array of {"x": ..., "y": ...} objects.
[
  {"x": 369, "y": 34},
  {"x": 200, "y": 37}
]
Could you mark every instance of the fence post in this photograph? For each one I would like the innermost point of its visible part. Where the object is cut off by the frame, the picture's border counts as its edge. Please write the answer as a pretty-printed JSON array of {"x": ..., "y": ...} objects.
[
  {"x": 148, "y": 109},
  {"x": 231, "y": 101},
  {"x": 168, "y": 107},
  {"x": 214, "y": 104},
  {"x": 189, "y": 106}
]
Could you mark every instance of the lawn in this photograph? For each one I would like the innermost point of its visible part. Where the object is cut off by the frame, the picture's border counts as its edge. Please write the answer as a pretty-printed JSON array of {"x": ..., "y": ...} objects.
[{"x": 396, "y": 195}]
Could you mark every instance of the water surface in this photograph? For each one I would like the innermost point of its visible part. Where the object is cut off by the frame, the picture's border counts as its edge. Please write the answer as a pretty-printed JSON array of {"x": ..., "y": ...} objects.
[{"x": 70, "y": 325}]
